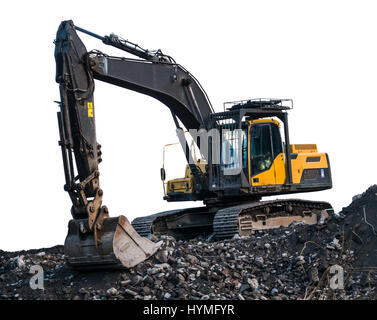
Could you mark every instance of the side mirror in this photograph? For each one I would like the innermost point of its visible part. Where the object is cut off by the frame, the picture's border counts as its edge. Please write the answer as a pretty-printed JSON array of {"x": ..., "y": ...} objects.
[{"x": 163, "y": 174}]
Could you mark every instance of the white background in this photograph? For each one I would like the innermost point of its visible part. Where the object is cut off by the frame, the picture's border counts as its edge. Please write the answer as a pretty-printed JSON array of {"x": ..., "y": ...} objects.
[{"x": 322, "y": 54}]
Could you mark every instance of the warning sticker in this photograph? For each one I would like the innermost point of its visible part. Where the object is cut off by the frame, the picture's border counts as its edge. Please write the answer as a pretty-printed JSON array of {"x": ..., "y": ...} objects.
[{"x": 90, "y": 109}]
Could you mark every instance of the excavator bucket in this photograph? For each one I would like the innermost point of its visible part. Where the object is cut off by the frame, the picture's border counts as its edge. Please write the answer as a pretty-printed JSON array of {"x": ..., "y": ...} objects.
[{"x": 118, "y": 245}]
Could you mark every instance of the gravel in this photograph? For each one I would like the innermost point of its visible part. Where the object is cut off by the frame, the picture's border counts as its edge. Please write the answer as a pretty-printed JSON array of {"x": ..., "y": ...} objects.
[{"x": 282, "y": 264}]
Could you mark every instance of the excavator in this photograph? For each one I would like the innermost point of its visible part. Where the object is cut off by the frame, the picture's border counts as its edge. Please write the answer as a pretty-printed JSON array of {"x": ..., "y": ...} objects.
[{"x": 243, "y": 157}]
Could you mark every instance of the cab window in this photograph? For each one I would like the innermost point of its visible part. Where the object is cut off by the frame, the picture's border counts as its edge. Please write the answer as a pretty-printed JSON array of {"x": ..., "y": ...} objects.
[
  {"x": 261, "y": 148},
  {"x": 276, "y": 140}
]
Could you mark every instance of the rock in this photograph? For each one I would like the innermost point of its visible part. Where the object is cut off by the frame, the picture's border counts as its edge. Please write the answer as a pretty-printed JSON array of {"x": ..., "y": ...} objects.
[
  {"x": 180, "y": 278},
  {"x": 146, "y": 290},
  {"x": 20, "y": 262},
  {"x": 125, "y": 283},
  {"x": 253, "y": 283},
  {"x": 162, "y": 256},
  {"x": 274, "y": 291},
  {"x": 163, "y": 266},
  {"x": 259, "y": 261},
  {"x": 192, "y": 277},
  {"x": 112, "y": 292},
  {"x": 313, "y": 275},
  {"x": 219, "y": 245},
  {"x": 82, "y": 291},
  {"x": 244, "y": 287},
  {"x": 130, "y": 292},
  {"x": 152, "y": 271},
  {"x": 136, "y": 279},
  {"x": 192, "y": 259},
  {"x": 148, "y": 279},
  {"x": 240, "y": 296}
]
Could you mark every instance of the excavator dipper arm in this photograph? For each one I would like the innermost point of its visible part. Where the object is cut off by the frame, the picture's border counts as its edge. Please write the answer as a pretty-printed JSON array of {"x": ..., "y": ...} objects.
[
  {"x": 94, "y": 239},
  {"x": 77, "y": 124}
]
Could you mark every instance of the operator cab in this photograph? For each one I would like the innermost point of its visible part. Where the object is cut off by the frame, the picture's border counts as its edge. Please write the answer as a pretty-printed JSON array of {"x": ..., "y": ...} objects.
[{"x": 256, "y": 157}]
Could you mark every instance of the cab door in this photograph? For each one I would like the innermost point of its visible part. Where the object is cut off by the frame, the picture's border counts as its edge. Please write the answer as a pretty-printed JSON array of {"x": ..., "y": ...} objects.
[{"x": 266, "y": 159}]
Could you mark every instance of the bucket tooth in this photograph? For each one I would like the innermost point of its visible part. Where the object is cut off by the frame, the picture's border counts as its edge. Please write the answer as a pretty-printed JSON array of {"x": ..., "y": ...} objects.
[{"x": 118, "y": 245}]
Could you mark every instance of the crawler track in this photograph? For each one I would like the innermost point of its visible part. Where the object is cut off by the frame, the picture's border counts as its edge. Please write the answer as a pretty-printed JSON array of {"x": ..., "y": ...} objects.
[
  {"x": 241, "y": 219},
  {"x": 229, "y": 221},
  {"x": 143, "y": 225}
]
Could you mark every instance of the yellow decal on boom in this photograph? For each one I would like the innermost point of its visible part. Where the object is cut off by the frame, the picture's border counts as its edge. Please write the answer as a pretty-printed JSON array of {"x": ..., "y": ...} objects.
[{"x": 90, "y": 109}]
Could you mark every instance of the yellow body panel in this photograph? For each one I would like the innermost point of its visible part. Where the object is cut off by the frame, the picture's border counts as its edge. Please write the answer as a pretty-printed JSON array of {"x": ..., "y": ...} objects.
[
  {"x": 265, "y": 178},
  {"x": 304, "y": 148},
  {"x": 300, "y": 163},
  {"x": 183, "y": 185},
  {"x": 186, "y": 184},
  {"x": 277, "y": 173},
  {"x": 279, "y": 165},
  {"x": 264, "y": 120},
  {"x": 272, "y": 176}
]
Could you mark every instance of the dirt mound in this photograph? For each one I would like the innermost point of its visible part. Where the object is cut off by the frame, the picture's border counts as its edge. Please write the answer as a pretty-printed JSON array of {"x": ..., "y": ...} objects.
[
  {"x": 361, "y": 227},
  {"x": 285, "y": 263}
]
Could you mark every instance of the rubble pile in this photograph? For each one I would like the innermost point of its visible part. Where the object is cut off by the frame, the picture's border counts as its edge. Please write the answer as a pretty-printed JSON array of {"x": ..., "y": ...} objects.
[{"x": 298, "y": 262}]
